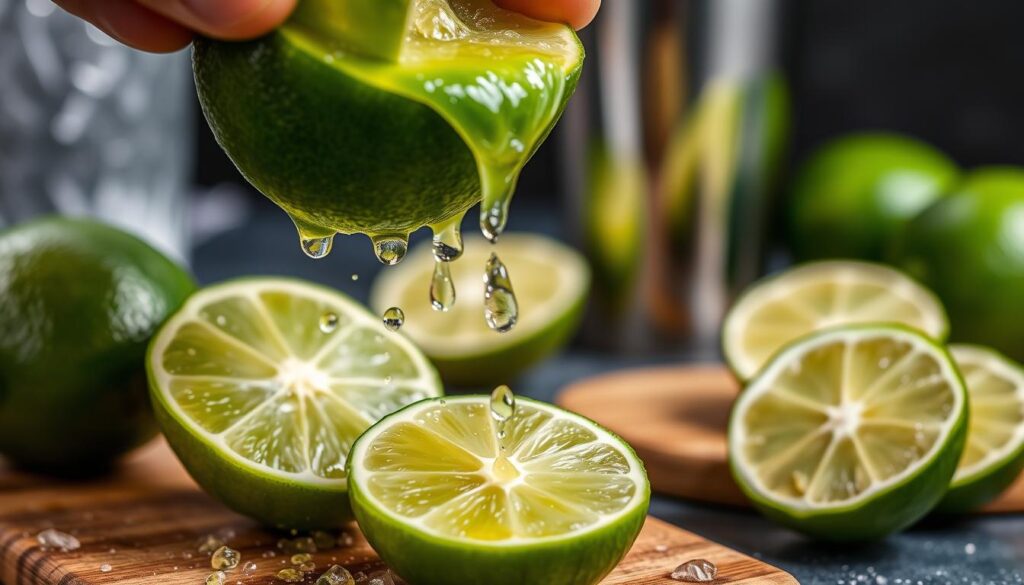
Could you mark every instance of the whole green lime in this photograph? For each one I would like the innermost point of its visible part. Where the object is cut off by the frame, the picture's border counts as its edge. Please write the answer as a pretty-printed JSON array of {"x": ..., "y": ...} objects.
[
  {"x": 383, "y": 117},
  {"x": 857, "y": 192},
  {"x": 969, "y": 248},
  {"x": 78, "y": 303}
]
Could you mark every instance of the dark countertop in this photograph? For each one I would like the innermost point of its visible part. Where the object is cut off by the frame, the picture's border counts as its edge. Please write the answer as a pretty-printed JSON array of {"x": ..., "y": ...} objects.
[{"x": 978, "y": 551}]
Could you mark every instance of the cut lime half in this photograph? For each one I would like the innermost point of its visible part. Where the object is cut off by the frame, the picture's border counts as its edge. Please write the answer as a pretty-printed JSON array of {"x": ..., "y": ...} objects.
[
  {"x": 819, "y": 295},
  {"x": 551, "y": 283},
  {"x": 262, "y": 385},
  {"x": 441, "y": 505},
  {"x": 994, "y": 455},
  {"x": 852, "y": 433}
]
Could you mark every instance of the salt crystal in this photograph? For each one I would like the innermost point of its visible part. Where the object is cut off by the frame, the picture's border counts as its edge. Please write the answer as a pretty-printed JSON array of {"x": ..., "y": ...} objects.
[
  {"x": 249, "y": 568},
  {"x": 63, "y": 541},
  {"x": 695, "y": 571},
  {"x": 336, "y": 575},
  {"x": 216, "y": 578},
  {"x": 225, "y": 558},
  {"x": 105, "y": 568}
]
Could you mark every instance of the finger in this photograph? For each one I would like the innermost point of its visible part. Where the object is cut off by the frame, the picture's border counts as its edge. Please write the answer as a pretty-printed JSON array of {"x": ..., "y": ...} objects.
[
  {"x": 575, "y": 13},
  {"x": 226, "y": 19},
  {"x": 131, "y": 23}
]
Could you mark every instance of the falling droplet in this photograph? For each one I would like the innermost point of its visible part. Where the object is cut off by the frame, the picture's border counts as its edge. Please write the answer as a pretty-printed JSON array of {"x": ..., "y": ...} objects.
[
  {"x": 501, "y": 310},
  {"x": 498, "y": 186},
  {"x": 328, "y": 323},
  {"x": 390, "y": 249},
  {"x": 394, "y": 318},
  {"x": 503, "y": 404},
  {"x": 447, "y": 242},
  {"x": 317, "y": 248},
  {"x": 442, "y": 288},
  {"x": 355, "y": 277}
]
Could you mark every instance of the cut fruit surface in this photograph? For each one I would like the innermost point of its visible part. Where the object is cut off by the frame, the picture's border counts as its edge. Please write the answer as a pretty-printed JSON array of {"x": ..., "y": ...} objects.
[
  {"x": 814, "y": 296},
  {"x": 271, "y": 381},
  {"x": 994, "y": 454},
  {"x": 851, "y": 433},
  {"x": 551, "y": 283},
  {"x": 431, "y": 486}
]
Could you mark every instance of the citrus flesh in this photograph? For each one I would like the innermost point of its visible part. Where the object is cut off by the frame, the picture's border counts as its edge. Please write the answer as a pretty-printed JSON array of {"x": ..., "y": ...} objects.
[
  {"x": 857, "y": 192},
  {"x": 782, "y": 308},
  {"x": 852, "y": 433},
  {"x": 262, "y": 385},
  {"x": 551, "y": 282},
  {"x": 994, "y": 454},
  {"x": 386, "y": 146},
  {"x": 443, "y": 503},
  {"x": 79, "y": 301}
]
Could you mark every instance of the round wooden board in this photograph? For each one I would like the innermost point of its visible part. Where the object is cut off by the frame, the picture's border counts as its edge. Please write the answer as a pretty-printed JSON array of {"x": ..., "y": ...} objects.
[{"x": 676, "y": 418}]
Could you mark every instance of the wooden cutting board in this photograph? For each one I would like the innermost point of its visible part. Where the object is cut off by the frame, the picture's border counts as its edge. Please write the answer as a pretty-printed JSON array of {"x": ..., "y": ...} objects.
[
  {"x": 145, "y": 522},
  {"x": 676, "y": 418}
]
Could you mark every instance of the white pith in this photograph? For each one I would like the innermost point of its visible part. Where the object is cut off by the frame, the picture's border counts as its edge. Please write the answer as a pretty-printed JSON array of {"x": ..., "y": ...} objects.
[
  {"x": 843, "y": 420},
  {"x": 790, "y": 290},
  {"x": 361, "y": 475},
  {"x": 299, "y": 377}
]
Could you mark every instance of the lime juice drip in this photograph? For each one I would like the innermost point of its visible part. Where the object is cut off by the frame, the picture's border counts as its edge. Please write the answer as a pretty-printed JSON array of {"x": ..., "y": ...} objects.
[
  {"x": 501, "y": 309},
  {"x": 394, "y": 318},
  {"x": 390, "y": 249},
  {"x": 442, "y": 288},
  {"x": 447, "y": 242},
  {"x": 503, "y": 408}
]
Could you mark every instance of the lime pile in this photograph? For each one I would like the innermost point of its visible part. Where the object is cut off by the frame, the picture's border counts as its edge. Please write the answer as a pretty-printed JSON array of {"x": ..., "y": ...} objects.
[
  {"x": 79, "y": 302},
  {"x": 856, "y": 421},
  {"x": 551, "y": 284}
]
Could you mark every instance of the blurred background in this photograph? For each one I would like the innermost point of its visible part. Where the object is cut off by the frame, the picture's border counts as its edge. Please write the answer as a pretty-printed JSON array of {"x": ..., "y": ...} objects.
[{"x": 672, "y": 169}]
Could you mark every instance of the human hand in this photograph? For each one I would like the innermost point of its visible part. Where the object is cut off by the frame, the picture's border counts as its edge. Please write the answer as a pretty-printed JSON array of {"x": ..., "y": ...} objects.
[{"x": 162, "y": 26}]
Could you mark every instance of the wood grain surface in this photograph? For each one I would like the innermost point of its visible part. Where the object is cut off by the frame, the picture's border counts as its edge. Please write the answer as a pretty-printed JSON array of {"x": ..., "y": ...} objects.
[
  {"x": 145, "y": 522},
  {"x": 676, "y": 419}
]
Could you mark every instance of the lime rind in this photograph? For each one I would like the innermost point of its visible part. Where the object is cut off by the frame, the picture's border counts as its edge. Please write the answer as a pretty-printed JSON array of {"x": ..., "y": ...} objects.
[
  {"x": 977, "y": 483},
  {"x": 889, "y": 505},
  {"x": 922, "y": 310},
  {"x": 252, "y": 473}
]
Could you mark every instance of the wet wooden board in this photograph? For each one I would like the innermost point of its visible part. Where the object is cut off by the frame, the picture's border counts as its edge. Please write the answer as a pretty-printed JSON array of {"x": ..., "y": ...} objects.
[
  {"x": 145, "y": 523},
  {"x": 676, "y": 418}
]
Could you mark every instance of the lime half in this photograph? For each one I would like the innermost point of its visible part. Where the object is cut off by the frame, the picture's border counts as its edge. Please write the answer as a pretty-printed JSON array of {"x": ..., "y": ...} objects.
[
  {"x": 551, "y": 283},
  {"x": 262, "y": 385},
  {"x": 441, "y": 506},
  {"x": 994, "y": 455},
  {"x": 852, "y": 433},
  {"x": 815, "y": 296}
]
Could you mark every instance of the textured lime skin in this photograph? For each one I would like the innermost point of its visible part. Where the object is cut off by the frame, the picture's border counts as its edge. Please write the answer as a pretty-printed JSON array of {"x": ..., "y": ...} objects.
[
  {"x": 80, "y": 301},
  {"x": 270, "y": 499},
  {"x": 969, "y": 249},
  {"x": 421, "y": 558},
  {"x": 972, "y": 492},
  {"x": 896, "y": 508},
  {"x": 856, "y": 193},
  {"x": 324, "y": 146}
]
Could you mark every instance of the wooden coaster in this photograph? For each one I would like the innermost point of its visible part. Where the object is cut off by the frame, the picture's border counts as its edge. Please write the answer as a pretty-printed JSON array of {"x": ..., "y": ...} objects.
[
  {"x": 145, "y": 522},
  {"x": 676, "y": 419}
]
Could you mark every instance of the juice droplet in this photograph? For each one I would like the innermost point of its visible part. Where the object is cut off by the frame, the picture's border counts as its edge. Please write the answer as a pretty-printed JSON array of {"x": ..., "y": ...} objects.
[
  {"x": 501, "y": 310},
  {"x": 498, "y": 186},
  {"x": 317, "y": 248},
  {"x": 503, "y": 404},
  {"x": 394, "y": 318},
  {"x": 328, "y": 322},
  {"x": 390, "y": 249},
  {"x": 355, "y": 277},
  {"x": 448, "y": 241},
  {"x": 442, "y": 289}
]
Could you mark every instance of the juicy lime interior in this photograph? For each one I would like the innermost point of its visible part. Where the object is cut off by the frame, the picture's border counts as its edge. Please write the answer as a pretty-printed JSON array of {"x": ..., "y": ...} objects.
[
  {"x": 500, "y": 79},
  {"x": 996, "y": 426},
  {"x": 549, "y": 280},
  {"x": 833, "y": 422},
  {"x": 822, "y": 295},
  {"x": 437, "y": 467},
  {"x": 285, "y": 376}
]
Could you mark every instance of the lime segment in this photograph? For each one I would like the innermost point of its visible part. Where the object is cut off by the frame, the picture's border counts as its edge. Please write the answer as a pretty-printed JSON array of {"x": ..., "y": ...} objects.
[
  {"x": 807, "y": 298},
  {"x": 249, "y": 388},
  {"x": 851, "y": 433},
  {"x": 994, "y": 454},
  {"x": 433, "y": 482}
]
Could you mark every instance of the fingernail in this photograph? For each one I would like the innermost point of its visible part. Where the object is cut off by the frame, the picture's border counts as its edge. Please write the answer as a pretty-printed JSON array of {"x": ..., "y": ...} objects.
[{"x": 221, "y": 13}]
